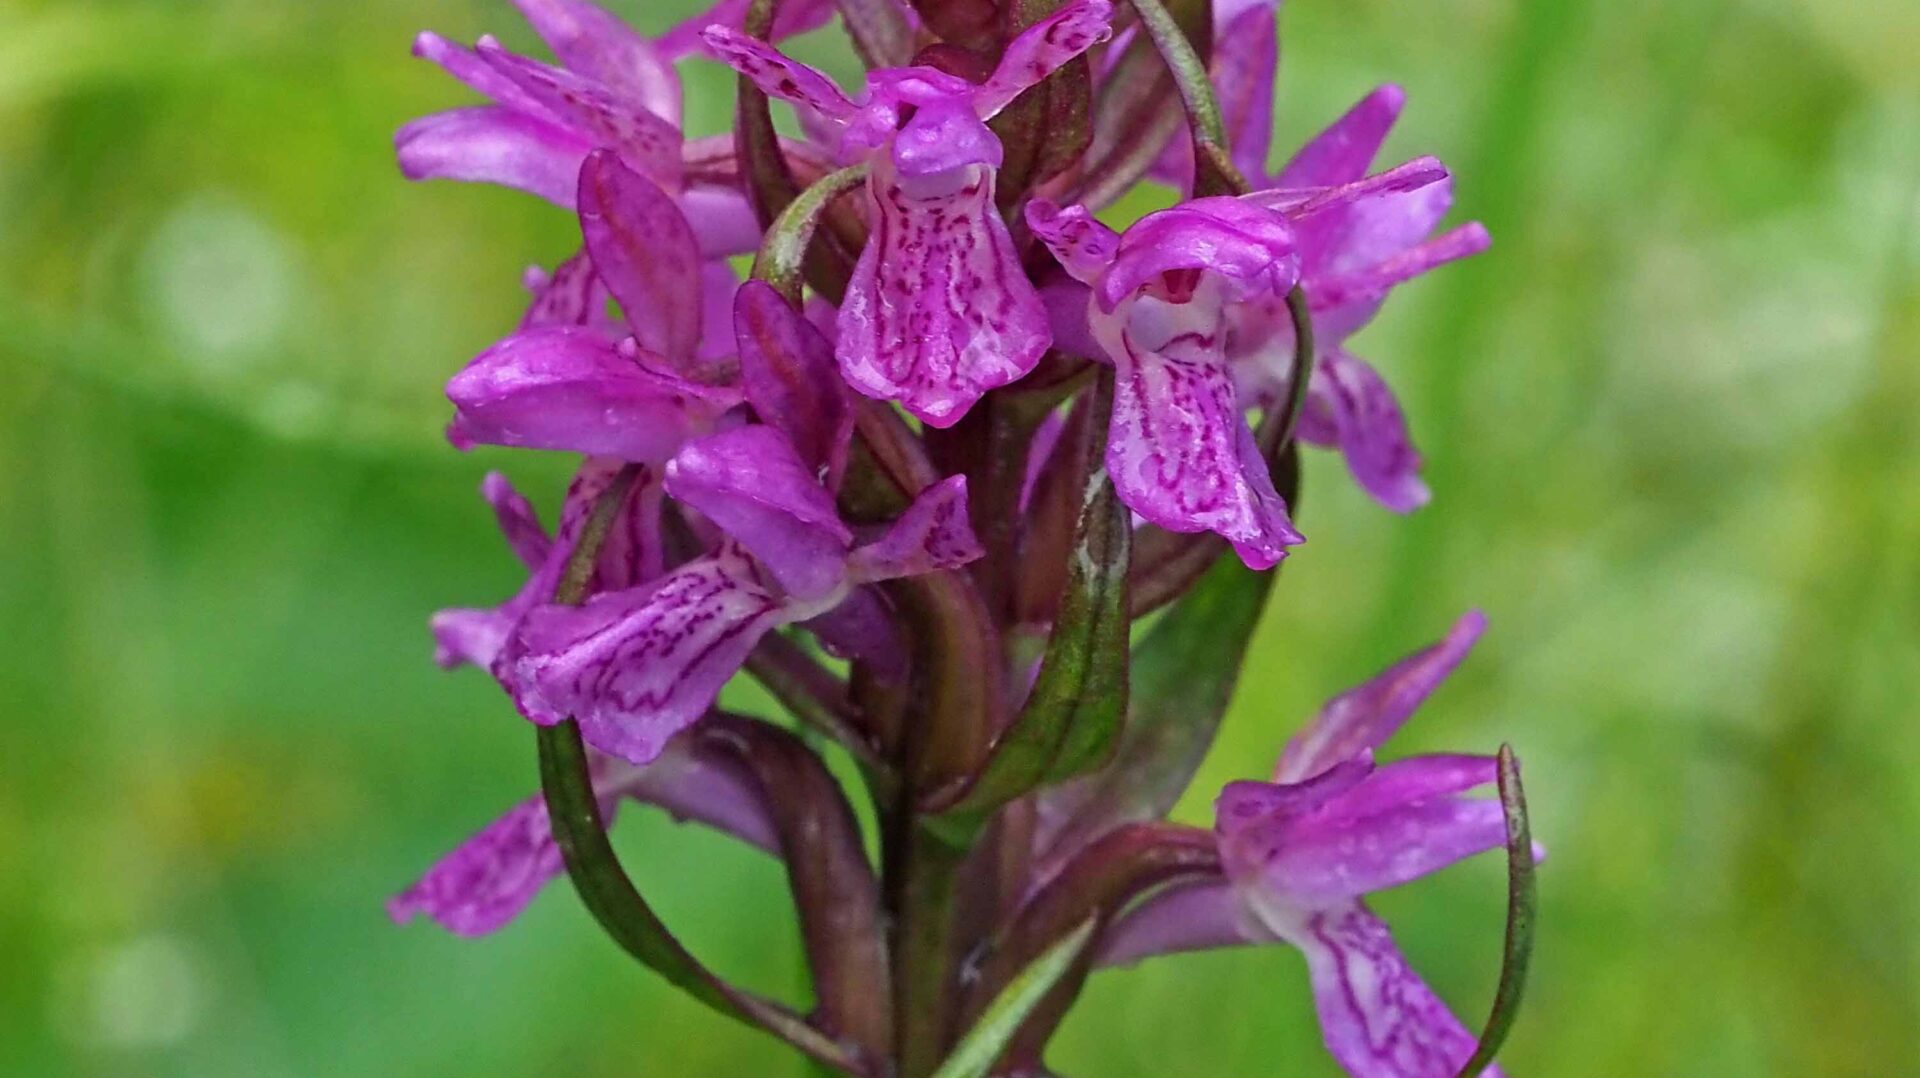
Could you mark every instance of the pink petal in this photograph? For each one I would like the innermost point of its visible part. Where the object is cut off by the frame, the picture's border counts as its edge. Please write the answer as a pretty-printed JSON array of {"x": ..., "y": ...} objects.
[
  {"x": 489, "y": 144},
  {"x": 1246, "y": 54},
  {"x": 1343, "y": 152},
  {"x": 1079, "y": 241},
  {"x": 601, "y": 47},
  {"x": 954, "y": 314},
  {"x": 1190, "y": 917},
  {"x": 1365, "y": 716},
  {"x": 932, "y": 534},
  {"x": 751, "y": 483},
  {"x": 485, "y": 882},
  {"x": 647, "y": 142},
  {"x": 638, "y": 666},
  {"x": 1245, "y": 806},
  {"x": 467, "y": 636},
  {"x": 1350, "y": 406},
  {"x": 777, "y": 76},
  {"x": 1179, "y": 450},
  {"x": 788, "y": 372},
  {"x": 1042, "y": 49},
  {"x": 567, "y": 388},
  {"x": 1374, "y": 280},
  {"x": 464, "y": 64},
  {"x": 644, "y": 250},
  {"x": 723, "y": 221}
]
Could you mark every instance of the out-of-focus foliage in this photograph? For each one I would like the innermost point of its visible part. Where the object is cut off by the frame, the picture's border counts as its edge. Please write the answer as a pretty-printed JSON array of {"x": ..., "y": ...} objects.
[{"x": 1671, "y": 420}]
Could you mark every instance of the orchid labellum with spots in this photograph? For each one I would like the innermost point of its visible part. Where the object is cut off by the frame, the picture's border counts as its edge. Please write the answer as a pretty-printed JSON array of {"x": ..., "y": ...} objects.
[{"x": 983, "y": 486}]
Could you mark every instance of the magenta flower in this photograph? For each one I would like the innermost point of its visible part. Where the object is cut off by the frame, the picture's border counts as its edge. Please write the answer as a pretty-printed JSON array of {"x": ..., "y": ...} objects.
[
  {"x": 1162, "y": 297},
  {"x": 953, "y": 314},
  {"x": 1301, "y": 852}
]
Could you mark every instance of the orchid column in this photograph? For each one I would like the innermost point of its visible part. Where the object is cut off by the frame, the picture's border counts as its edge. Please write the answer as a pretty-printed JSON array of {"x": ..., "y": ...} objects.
[{"x": 987, "y": 493}]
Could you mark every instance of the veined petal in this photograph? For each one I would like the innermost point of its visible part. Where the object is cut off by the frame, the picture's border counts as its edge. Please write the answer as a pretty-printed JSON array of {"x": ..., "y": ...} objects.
[
  {"x": 1042, "y": 49},
  {"x": 569, "y": 388},
  {"x": 464, "y": 64},
  {"x": 1083, "y": 245},
  {"x": 1349, "y": 405},
  {"x": 1365, "y": 716},
  {"x": 788, "y": 372},
  {"x": 647, "y": 142},
  {"x": 1379, "y": 1019},
  {"x": 644, "y": 250},
  {"x": 600, "y": 46},
  {"x": 485, "y": 882},
  {"x": 1343, "y": 152},
  {"x": 1300, "y": 204},
  {"x": 954, "y": 314},
  {"x": 932, "y": 534},
  {"x": 633, "y": 552},
  {"x": 572, "y": 295},
  {"x": 1408, "y": 782},
  {"x": 517, "y": 519},
  {"x": 751, "y": 483},
  {"x": 490, "y": 144},
  {"x": 1179, "y": 449},
  {"x": 637, "y": 667},
  {"x": 777, "y": 76},
  {"x": 794, "y": 17}
]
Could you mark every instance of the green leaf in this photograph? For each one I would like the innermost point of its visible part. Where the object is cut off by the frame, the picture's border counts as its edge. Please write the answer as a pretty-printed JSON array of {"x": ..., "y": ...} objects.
[
  {"x": 1183, "y": 674},
  {"x": 984, "y": 1044},
  {"x": 1522, "y": 905}
]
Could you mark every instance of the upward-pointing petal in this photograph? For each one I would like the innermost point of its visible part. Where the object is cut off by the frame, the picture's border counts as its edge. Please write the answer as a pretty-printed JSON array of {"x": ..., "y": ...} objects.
[
  {"x": 777, "y": 76},
  {"x": 491, "y": 144},
  {"x": 645, "y": 251},
  {"x": 1344, "y": 151},
  {"x": 600, "y": 46},
  {"x": 1365, "y": 716},
  {"x": 1041, "y": 50}
]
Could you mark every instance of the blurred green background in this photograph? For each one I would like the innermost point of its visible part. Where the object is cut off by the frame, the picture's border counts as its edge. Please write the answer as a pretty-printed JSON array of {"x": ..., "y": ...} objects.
[{"x": 1671, "y": 420}]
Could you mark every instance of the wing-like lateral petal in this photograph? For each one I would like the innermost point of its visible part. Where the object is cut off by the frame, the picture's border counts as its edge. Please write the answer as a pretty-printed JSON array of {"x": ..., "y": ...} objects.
[
  {"x": 602, "y": 47},
  {"x": 787, "y": 370},
  {"x": 1042, "y": 49},
  {"x": 1365, "y": 716},
  {"x": 1350, "y": 406},
  {"x": 777, "y": 76},
  {"x": 1082, "y": 245}
]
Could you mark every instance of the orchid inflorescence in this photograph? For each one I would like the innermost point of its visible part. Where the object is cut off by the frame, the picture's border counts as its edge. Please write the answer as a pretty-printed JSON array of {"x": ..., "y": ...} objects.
[{"x": 988, "y": 495}]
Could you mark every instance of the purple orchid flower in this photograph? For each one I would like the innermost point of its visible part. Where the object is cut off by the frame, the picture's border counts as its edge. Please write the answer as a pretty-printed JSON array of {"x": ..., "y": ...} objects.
[
  {"x": 638, "y": 665},
  {"x": 938, "y": 310},
  {"x": 1179, "y": 449},
  {"x": 1302, "y": 851}
]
